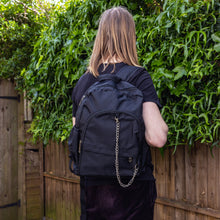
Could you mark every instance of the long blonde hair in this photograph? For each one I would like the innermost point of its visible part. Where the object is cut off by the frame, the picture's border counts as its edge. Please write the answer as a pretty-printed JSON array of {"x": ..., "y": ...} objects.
[{"x": 116, "y": 39}]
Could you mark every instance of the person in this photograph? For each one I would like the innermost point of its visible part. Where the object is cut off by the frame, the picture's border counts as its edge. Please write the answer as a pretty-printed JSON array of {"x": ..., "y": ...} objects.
[{"x": 115, "y": 47}]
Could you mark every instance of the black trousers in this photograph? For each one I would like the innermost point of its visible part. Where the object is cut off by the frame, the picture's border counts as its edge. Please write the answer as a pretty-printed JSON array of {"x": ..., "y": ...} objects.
[{"x": 112, "y": 202}]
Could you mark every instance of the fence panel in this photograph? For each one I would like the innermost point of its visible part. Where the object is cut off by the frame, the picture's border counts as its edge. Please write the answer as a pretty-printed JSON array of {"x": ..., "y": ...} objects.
[
  {"x": 188, "y": 184},
  {"x": 62, "y": 191},
  {"x": 33, "y": 179},
  {"x": 196, "y": 184}
]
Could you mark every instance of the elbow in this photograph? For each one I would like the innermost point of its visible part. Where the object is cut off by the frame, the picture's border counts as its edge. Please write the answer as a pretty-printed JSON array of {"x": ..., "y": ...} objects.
[
  {"x": 157, "y": 142},
  {"x": 162, "y": 141},
  {"x": 158, "y": 139}
]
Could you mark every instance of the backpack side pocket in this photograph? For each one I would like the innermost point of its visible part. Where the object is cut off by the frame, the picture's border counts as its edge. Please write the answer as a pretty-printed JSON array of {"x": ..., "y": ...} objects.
[{"x": 73, "y": 143}]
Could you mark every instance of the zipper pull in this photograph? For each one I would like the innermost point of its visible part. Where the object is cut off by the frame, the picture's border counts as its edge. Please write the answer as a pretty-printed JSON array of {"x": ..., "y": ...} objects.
[
  {"x": 116, "y": 119},
  {"x": 81, "y": 100}
]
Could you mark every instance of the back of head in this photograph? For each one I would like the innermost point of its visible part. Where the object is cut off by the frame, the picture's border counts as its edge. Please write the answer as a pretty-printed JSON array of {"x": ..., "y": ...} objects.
[{"x": 115, "y": 40}]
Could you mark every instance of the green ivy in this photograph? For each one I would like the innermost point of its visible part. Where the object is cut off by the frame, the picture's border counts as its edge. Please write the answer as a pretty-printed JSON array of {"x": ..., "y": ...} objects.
[
  {"x": 21, "y": 22},
  {"x": 180, "y": 48},
  {"x": 178, "y": 43}
]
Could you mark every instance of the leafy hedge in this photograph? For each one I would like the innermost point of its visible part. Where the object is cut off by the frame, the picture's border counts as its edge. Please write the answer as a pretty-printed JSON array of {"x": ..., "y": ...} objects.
[
  {"x": 21, "y": 22},
  {"x": 178, "y": 43},
  {"x": 180, "y": 48}
]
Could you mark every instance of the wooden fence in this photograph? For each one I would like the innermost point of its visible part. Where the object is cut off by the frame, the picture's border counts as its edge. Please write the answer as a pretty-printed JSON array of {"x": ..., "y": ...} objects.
[
  {"x": 8, "y": 151},
  {"x": 188, "y": 184},
  {"x": 33, "y": 177},
  {"x": 62, "y": 192},
  {"x": 21, "y": 184}
]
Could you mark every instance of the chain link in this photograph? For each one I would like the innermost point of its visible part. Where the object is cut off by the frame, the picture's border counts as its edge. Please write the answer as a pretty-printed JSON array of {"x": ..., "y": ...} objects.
[{"x": 117, "y": 158}]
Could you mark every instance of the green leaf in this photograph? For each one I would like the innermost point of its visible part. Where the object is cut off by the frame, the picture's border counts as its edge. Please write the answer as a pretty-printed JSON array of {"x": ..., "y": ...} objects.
[
  {"x": 66, "y": 73},
  {"x": 204, "y": 115},
  {"x": 39, "y": 61},
  {"x": 178, "y": 25},
  {"x": 180, "y": 72},
  {"x": 215, "y": 38},
  {"x": 168, "y": 25},
  {"x": 217, "y": 47}
]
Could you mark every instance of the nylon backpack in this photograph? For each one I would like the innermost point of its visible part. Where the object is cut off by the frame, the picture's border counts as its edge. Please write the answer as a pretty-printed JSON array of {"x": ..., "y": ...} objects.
[{"x": 108, "y": 137}]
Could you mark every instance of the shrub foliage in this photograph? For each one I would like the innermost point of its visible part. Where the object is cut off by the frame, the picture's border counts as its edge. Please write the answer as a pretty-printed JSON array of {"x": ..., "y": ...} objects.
[
  {"x": 178, "y": 43},
  {"x": 20, "y": 24}
]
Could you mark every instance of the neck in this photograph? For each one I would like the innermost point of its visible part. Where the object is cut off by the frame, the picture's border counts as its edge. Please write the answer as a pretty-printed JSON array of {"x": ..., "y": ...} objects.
[{"x": 112, "y": 60}]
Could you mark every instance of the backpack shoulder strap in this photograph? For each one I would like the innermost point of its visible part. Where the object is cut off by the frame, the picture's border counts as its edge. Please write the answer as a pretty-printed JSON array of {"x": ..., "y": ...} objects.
[{"x": 127, "y": 73}]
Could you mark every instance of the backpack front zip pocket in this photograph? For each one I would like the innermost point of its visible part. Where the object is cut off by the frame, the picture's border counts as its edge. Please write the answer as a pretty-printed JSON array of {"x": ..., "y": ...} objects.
[{"x": 99, "y": 138}]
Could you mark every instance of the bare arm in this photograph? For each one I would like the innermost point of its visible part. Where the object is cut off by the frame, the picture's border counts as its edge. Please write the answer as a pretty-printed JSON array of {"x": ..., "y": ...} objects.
[
  {"x": 74, "y": 121},
  {"x": 155, "y": 128}
]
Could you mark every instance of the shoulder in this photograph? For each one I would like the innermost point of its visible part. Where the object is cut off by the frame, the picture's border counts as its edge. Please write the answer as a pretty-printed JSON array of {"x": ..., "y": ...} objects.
[
  {"x": 144, "y": 74},
  {"x": 139, "y": 74},
  {"x": 143, "y": 81},
  {"x": 85, "y": 78},
  {"x": 84, "y": 82}
]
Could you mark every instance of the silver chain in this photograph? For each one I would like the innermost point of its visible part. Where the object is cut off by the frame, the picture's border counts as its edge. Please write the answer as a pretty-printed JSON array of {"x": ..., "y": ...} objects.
[{"x": 117, "y": 158}]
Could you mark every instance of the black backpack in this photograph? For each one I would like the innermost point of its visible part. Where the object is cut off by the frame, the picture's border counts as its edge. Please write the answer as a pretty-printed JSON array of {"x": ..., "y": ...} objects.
[{"x": 108, "y": 137}]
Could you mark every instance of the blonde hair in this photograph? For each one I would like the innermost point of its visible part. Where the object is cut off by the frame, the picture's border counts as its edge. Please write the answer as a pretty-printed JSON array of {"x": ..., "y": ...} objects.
[{"x": 115, "y": 39}]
